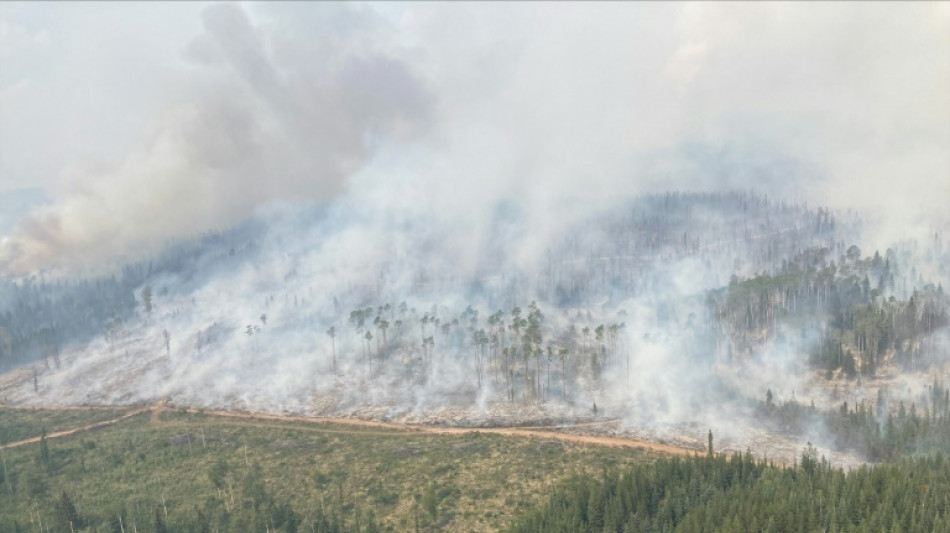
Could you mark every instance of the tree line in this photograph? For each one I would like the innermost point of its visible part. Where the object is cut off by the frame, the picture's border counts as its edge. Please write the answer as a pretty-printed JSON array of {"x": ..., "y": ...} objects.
[
  {"x": 39, "y": 317},
  {"x": 879, "y": 431},
  {"x": 850, "y": 324},
  {"x": 739, "y": 493},
  {"x": 519, "y": 351}
]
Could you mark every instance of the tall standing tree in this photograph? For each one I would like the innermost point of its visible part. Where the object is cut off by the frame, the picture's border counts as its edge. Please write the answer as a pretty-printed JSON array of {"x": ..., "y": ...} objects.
[
  {"x": 382, "y": 325},
  {"x": 332, "y": 334},
  {"x": 601, "y": 348},
  {"x": 562, "y": 355},
  {"x": 45, "y": 459},
  {"x": 368, "y": 352},
  {"x": 168, "y": 346},
  {"x": 358, "y": 321},
  {"x": 423, "y": 322}
]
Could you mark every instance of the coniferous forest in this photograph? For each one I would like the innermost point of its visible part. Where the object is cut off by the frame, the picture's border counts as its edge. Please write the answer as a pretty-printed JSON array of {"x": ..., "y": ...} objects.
[
  {"x": 740, "y": 493},
  {"x": 358, "y": 267},
  {"x": 174, "y": 471},
  {"x": 589, "y": 336}
]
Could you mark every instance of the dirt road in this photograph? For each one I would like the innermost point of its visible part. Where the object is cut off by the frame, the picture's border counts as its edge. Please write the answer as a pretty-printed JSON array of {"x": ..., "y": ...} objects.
[
  {"x": 528, "y": 431},
  {"x": 75, "y": 430},
  {"x": 524, "y": 432}
]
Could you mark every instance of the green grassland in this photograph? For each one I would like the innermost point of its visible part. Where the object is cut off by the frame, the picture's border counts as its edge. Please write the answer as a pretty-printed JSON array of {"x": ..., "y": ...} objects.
[
  {"x": 22, "y": 424},
  {"x": 199, "y": 472}
]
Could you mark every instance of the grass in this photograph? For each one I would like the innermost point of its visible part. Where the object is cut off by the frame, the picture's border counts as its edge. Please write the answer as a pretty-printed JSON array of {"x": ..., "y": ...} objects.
[
  {"x": 466, "y": 482},
  {"x": 22, "y": 424}
]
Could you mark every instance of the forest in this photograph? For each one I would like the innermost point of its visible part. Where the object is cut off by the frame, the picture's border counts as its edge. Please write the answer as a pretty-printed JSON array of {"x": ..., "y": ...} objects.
[
  {"x": 175, "y": 471},
  {"x": 645, "y": 312},
  {"x": 741, "y": 493},
  {"x": 39, "y": 316},
  {"x": 358, "y": 267},
  {"x": 615, "y": 254},
  {"x": 658, "y": 315},
  {"x": 879, "y": 432}
]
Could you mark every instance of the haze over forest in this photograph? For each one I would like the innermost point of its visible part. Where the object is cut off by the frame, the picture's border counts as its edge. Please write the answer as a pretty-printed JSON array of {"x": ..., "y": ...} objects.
[{"x": 683, "y": 216}]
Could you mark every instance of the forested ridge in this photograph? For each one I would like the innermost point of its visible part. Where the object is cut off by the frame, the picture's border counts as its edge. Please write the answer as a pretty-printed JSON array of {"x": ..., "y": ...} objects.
[
  {"x": 38, "y": 317},
  {"x": 613, "y": 254},
  {"x": 636, "y": 311},
  {"x": 851, "y": 313}
]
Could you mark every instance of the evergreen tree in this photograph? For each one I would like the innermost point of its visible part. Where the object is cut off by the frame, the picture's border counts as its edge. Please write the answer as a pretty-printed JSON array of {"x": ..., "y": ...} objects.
[{"x": 66, "y": 515}]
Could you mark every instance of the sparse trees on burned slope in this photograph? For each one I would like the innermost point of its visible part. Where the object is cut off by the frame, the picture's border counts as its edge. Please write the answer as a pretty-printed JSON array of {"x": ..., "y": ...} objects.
[
  {"x": 856, "y": 328},
  {"x": 527, "y": 356},
  {"x": 855, "y": 315}
]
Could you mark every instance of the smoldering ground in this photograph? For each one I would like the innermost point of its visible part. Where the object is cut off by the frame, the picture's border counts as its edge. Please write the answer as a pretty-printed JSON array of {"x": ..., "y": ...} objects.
[
  {"x": 462, "y": 155},
  {"x": 623, "y": 326}
]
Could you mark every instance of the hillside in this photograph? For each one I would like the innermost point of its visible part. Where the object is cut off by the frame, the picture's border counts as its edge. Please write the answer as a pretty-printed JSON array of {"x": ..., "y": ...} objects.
[{"x": 672, "y": 313}]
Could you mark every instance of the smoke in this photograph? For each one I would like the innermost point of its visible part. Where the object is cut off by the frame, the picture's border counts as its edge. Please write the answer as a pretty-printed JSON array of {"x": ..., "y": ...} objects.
[
  {"x": 265, "y": 112},
  {"x": 465, "y": 154},
  {"x": 559, "y": 106}
]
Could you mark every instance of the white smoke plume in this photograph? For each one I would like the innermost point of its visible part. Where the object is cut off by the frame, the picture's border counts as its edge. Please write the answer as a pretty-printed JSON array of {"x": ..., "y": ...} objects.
[
  {"x": 266, "y": 111},
  {"x": 440, "y": 154},
  {"x": 459, "y": 106}
]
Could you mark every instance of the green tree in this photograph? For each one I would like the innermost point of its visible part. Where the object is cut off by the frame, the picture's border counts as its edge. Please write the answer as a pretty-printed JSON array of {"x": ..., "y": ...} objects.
[
  {"x": 809, "y": 460},
  {"x": 66, "y": 515},
  {"x": 45, "y": 460}
]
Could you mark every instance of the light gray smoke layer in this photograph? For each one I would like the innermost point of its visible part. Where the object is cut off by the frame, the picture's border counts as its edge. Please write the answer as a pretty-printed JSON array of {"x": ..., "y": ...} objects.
[
  {"x": 449, "y": 157},
  {"x": 149, "y": 122}
]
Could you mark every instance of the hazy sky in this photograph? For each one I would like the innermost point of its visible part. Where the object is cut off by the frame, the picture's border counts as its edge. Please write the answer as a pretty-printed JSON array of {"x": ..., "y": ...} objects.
[{"x": 143, "y": 121}]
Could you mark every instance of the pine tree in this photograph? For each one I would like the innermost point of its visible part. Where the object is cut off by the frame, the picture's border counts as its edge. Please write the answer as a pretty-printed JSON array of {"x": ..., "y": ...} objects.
[
  {"x": 66, "y": 514},
  {"x": 45, "y": 459}
]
